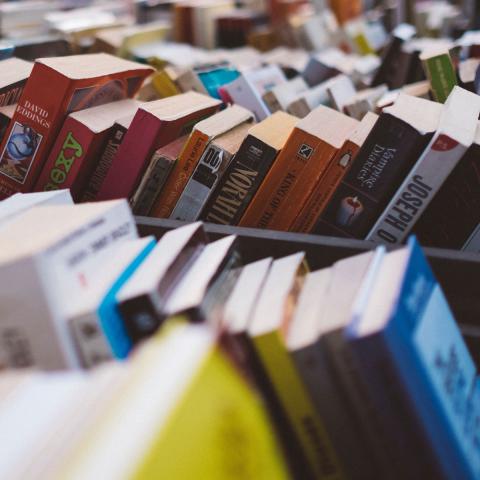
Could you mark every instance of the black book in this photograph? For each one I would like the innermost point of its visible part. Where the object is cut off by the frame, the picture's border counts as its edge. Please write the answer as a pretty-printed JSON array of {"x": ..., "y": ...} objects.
[
  {"x": 454, "y": 212},
  {"x": 248, "y": 169},
  {"x": 142, "y": 298},
  {"x": 396, "y": 141}
]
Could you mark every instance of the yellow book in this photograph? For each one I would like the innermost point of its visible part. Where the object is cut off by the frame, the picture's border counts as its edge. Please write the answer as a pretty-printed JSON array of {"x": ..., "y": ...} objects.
[
  {"x": 164, "y": 85},
  {"x": 268, "y": 331},
  {"x": 187, "y": 414}
]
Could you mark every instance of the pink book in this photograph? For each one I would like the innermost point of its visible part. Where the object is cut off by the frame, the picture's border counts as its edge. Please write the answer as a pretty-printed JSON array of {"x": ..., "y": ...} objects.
[{"x": 155, "y": 124}]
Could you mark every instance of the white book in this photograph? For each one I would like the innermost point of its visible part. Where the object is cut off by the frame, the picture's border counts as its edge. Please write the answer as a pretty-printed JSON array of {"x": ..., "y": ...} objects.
[
  {"x": 47, "y": 256},
  {"x": 455, "y": 133},
  {"x": 19, "y": 203}
]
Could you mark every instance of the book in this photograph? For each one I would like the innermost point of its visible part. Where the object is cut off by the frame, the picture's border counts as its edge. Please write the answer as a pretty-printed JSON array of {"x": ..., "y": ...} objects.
[
  {"x": 440, "y": 72},
  {"x": 248, "y": 169},
  {"x": 203, "y": 18},
  {"x": 56, "y": 87},
  {"x": 309, "y": 149},
  {"x": 161, "y": 165},
  {"x": 157, "y": 123},
  {"x": 405, "y": 297},
  {"x": 17, "y": 204},
  {"x": 451, "y": 216},
  {"x": 79, "y": 142},
  {"x": 6, "y": 115},
  {"x": 202, "y": 133},
  {"x": 396, "y": 141},
  {"x": 268, "y": 327},
  {"x": 315, "y": 343},
  {"x": 341, "y": 90},
  {"x": 248, "y": 89},
  {"x": 454, "y": 135},
  {"x": 365, "y": 101},
  {"x": 142, "y": 298},
  {"x": 105, "y": 159},
  {"x": 14, "y": 73},
  {"x": 201, "y": 293},
  {"x": 208, "y": 172},
  {"x": 83, "y": 316},
  {"x": 48, "y": 253},
  {"x": 310, "y": 100},
  {"x": 336, "y": 170},
  {"x": 280, "y": 96}
]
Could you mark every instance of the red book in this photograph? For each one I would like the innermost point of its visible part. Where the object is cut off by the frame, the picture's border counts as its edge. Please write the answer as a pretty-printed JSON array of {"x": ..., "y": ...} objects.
[
  {"x": 154, "y": 125},
  {"x": 56, "y": 87},
  {"x": 79, "y": 145}
]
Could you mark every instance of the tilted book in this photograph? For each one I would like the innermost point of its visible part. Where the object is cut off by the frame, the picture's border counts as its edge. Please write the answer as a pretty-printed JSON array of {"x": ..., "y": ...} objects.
[
  {"x": 454, "y": 135},
  {"x": 59, "y": 86}
]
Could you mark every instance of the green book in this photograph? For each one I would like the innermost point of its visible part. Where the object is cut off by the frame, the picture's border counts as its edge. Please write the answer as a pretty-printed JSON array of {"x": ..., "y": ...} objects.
[{"x": 440, "y": 71}]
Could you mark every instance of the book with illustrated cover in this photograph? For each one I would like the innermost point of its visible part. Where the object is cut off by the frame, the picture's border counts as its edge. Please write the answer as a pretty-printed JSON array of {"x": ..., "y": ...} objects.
[
  {"x": 56, "y": 87},
  {"x": 209, "y": 171},
  {"x": 454, "y": 135},
  {"x": 248, "y": 169},
  {"x": 80, "y": 141},
  {"x": 203, "y": 132},
  {"x": 395, "y": 143},
  {"x": 157, "y": 124}
]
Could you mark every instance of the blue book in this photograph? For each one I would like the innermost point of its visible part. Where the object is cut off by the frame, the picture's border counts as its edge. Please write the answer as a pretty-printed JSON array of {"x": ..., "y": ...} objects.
[
  {"x": 6, "y": 50},
  {"x": 412, "y": 356},
  {"x": 215, "y": 78},
  {"x": 109, "y": 315}
]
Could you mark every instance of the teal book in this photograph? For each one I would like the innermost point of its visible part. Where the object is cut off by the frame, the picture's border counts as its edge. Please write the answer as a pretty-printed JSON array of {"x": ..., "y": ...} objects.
[
  {"x": 405, "y": 327},
  {"x": 215, "y": 78}
]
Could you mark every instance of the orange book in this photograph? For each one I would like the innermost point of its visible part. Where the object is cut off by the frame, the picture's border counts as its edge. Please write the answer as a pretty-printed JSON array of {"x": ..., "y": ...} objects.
[
  {"x": 309, "y": 150},
  {"x": 333, "y": 175},
  {"x": 202, "y": 133},
  {"x": 346, "y": 10}
]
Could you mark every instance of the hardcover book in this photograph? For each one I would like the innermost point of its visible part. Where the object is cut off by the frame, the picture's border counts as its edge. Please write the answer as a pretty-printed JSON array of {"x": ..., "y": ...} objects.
[
  {"x": 203, "y": 132},
  {"x": 454, "y": 135},
  {"x": 309, "y": 150},
  {"x": 209, "y": 171},
  {"x": 338, "y": 168},
  {"x": 396, "y": 141},
  {"x": 56, "y": 87},
  {"x": 248, "y": 169},
  {"x": 156, "y": 175},
  {"x": 157, "y": 124},
  {"x": 78, "y": 145}
]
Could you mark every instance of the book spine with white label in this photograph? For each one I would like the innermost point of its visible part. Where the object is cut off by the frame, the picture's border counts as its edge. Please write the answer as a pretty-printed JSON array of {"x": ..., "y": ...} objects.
[
  {"x": 203, "y": 181},
  {"x": 417, "y": 190}
]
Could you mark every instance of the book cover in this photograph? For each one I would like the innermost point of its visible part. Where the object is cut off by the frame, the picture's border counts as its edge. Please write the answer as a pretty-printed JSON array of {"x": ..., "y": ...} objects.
[
  {"x": 56, "y": 87},
  {"x": 157, "y": 124},
  {"x": 78, "y": 145},
  {"x": 338, "y": 168},
  {"x": 105, "y": 159},
  {"x": 197, "y": 142},
  {"x": 208, "y": 172},
  {"x": 454, "y": 135},
  {"x": 453, "y": 213},
  {"x": 396, "y": 141},
  {"x": 248, "y": 169},
  {"x": 440, "y": 72},
  {"x": 161, "y": 165},
  {"x": 307, "y": 153},
  {"x": 417, "y": 338}
]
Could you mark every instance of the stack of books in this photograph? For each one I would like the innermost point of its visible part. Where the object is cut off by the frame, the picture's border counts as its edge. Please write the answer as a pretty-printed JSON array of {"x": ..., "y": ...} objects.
[{"x": 360, "y": 367}]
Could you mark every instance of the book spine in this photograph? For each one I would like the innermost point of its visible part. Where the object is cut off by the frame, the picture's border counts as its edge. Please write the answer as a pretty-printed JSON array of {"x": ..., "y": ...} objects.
[
  {"x": 454, "y": 212},
  {"x": 188, "y": 159},
  {"x": 70, "y": 159},
  {"x": 323, "y": 191},
  {"x": 294, "y": 399},
  {"x": 417, "y": 190},
  {"x": 32, "y": 130},
  {"x": 152, "y": 182},
  {"x": 441, "y": 74},
  {"x": 95, "y": 182},
  {"x": 11, "y": 94},
  {"x": 267, "y": 205},
  {"x": 89, "y": 340},
  {"x": 382, "y": 163},
  {"x": 203, "y": 181},
  {"x": 240, "y": 182}
]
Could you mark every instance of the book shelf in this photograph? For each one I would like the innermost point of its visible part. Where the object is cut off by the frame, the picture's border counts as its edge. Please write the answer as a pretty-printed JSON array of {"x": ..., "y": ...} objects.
[{"x": 457, "y": 272}]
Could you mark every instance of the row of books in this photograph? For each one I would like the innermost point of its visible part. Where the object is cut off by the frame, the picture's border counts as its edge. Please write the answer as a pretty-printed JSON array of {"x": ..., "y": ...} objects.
[{"x": 360, "y": 366}]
